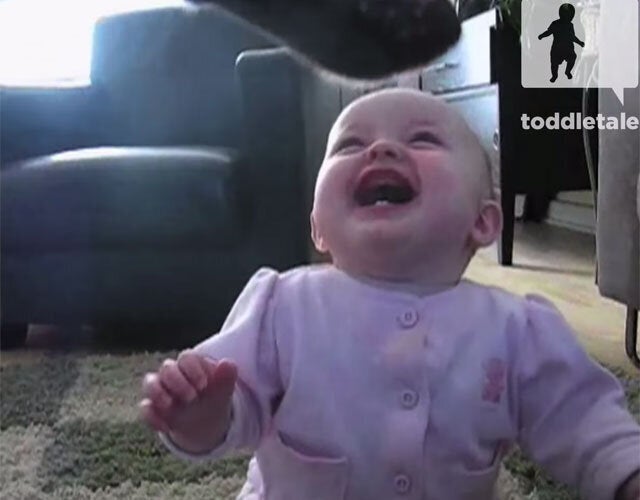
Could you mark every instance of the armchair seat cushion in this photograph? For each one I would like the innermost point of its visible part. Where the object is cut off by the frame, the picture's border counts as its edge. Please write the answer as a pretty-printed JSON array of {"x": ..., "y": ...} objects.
[{"x": 122, "y": 198}]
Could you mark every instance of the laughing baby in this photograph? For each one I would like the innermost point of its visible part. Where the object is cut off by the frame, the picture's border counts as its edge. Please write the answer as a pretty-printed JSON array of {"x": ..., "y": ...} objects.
[{"x": 385, "y": 374}]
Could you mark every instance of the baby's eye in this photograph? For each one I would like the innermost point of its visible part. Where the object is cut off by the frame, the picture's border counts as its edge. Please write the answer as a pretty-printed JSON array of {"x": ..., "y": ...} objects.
[
  {"x": 348, "y": 145},
  {"x": 423, "y": 139}
]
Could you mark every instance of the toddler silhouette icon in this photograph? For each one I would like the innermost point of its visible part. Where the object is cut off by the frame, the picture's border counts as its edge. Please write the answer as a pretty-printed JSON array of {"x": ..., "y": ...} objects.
[{"x": 563, "y": 39}]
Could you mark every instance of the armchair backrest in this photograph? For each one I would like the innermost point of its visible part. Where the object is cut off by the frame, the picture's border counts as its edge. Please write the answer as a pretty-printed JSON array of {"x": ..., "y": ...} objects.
[{"x": 168, "y": 75}]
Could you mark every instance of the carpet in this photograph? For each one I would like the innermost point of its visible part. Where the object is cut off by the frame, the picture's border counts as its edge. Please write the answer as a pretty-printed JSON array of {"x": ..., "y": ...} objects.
[{"x": 69, "y": 430}]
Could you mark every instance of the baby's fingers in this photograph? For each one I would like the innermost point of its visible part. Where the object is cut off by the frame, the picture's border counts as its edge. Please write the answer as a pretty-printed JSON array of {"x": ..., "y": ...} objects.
[
  {"x": 175, "y": 382},
  {"x": 153, "y": 390},
  {"x": 192, "y": 367},
  {"x": 150, "y": 415}
]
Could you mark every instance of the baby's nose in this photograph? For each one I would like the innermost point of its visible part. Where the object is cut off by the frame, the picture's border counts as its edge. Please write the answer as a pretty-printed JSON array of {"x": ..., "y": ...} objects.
[{"x": 384, "y": 149}]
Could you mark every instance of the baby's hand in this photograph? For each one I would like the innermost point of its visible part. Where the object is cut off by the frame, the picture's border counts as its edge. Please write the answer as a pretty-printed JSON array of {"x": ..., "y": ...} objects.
[{"x": 189, "y": 399}]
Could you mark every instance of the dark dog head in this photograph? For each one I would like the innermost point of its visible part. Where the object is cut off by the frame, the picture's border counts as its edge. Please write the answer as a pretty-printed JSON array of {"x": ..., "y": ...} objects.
[{"x": 362, "y": 39}]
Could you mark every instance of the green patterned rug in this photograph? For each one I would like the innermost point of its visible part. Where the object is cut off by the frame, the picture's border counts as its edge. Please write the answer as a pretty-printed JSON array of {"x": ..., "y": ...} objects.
[{"x": 69, "y": 430}]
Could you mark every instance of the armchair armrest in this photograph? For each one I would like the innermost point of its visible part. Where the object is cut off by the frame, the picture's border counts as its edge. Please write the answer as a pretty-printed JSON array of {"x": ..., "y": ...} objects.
[
  {"x": 618, "y": 224},
  {"x": 270, "y": 93},
  {"x": 618, "y": 221}
]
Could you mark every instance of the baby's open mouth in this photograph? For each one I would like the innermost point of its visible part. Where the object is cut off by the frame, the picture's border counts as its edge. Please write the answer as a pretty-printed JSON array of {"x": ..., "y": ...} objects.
[{"x": 383, "y": 187}]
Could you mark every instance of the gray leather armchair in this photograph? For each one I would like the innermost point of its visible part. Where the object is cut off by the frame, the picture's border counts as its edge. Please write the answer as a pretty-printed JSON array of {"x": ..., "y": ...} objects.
[{"x": 197, "y": 186}]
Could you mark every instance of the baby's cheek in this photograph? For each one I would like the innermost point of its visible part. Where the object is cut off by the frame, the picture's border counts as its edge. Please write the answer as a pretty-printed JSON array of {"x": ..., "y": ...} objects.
[
  {"x": 442, "y": 177},
  {"x": 449, "y": 205},
  {"x": 441, "y": 192},
  {"x": 326, "y": 215}
]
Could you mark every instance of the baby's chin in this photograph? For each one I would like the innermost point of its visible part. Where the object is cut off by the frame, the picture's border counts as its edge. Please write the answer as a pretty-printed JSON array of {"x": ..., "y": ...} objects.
[
  {"x": 381, "y": 251},
  {"x": 379, "y": 267},
  {"x": 382, "y": 237}
]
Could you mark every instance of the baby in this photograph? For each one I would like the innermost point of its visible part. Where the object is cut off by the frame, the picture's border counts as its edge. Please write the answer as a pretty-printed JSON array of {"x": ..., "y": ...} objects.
[{"x": 385, "y": 374}]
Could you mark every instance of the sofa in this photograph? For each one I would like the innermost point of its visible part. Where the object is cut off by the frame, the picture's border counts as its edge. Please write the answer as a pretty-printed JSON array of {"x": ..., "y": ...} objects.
[{"x": 185, "y": 181}]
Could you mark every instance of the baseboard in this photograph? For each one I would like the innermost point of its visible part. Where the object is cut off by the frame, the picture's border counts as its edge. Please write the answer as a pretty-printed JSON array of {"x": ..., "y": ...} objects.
[
  {"x": 573, "y": 212},
  {"x": 576, "y": 197}
]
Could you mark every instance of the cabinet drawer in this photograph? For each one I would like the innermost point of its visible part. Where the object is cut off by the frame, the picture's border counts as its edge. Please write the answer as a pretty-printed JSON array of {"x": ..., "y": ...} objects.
[
  {"x": 480, "y": 109},
  {"x": 468, "y": 62}
]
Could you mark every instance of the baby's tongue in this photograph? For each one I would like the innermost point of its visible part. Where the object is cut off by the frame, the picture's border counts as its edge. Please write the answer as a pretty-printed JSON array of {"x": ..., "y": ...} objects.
[{"x": 384, "y": 194}]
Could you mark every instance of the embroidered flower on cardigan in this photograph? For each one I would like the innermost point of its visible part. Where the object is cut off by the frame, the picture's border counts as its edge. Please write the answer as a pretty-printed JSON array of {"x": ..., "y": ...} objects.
[{"x": 495, "y": 375}]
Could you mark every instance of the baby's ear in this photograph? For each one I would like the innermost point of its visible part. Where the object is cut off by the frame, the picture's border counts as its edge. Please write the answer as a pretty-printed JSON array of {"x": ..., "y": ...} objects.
[
  {"x": 488, "y": 224},
  {"x": 318, "y": 241}
]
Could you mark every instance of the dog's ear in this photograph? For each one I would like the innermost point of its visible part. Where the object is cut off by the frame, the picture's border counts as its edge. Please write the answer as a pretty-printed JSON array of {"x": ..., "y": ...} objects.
[{"x": 360, "y": 39}]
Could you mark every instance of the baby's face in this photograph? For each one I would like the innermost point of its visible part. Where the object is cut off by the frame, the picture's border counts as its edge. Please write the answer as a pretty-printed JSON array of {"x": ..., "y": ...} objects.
[{"x": 403, "y": 179}]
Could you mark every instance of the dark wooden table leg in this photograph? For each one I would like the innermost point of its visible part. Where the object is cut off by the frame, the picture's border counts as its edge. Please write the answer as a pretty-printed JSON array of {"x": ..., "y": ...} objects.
[
  {"x": 631, "y": 336},
  {"x": 505, "y": 246}
]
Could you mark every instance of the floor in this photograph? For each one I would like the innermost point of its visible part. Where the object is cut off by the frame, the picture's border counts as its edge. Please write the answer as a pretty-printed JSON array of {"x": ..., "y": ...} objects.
[{"x": 560, "y": 264}]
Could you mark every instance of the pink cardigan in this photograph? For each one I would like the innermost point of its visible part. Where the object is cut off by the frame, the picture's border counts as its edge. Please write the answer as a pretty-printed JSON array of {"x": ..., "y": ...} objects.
[{"x": 350, "y": 391}]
